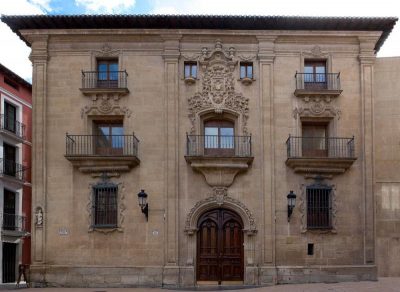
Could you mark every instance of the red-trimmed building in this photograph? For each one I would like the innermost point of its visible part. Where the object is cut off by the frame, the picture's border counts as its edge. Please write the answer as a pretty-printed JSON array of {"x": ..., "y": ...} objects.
[{"x": 15, "y": 175}]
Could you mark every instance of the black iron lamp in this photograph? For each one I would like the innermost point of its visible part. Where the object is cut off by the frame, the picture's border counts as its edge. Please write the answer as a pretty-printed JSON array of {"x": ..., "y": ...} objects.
[
  {"x": 144, "y": 206},
  {"x": 291, "y": 200}
]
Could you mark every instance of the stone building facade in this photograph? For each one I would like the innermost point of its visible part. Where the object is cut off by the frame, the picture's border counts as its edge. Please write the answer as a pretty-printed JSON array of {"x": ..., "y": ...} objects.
[{"x": 220, "y": 121}]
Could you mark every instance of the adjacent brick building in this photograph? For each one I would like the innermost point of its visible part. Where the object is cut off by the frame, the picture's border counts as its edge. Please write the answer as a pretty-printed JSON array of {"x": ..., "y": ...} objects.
[
  {"x": 185, "y": 150},
  {"x": 15, "y": 180}
]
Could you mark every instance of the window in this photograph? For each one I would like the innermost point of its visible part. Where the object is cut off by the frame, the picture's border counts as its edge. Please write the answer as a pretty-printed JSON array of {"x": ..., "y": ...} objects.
[
  {"x": 246, "y": 70},
  {"x": 109, "y": 137},
  {"x": 319, "y": 207},
  {"x": 107, "y": 71},
  {"x": 105, "y": 206},
  {"x": 9, "y": 210},
  {"x": 315, "y": 139},
  {"x": 315, "y": 74},
  {"x": 9, "y": 161},
  {"x": 219, "y": 137},
  {"x": 190, "y": 70},
  {"x": 10, "y": 117}
]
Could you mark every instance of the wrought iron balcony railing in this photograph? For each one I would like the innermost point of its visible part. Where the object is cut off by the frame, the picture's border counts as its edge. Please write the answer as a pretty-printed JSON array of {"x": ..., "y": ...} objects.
[
  {"x": 318, "y": 81},
  {"x": 13, "y": 169},
  {"x": 13, "y": 222},
  {"x": 320, "y": 147},
  {"x": 218, "y": 146},
  {"x": 12, "y": 126},
  {"x": 101, "y": 145},
  {"x": 104, "y": 79}
]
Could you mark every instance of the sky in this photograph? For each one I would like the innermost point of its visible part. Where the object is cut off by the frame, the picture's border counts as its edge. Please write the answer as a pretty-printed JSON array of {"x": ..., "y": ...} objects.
[{"x": 14, "y": 53}]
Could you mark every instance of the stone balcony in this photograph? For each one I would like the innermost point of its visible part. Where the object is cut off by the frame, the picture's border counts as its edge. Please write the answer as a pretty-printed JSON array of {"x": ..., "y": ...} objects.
[
  {"x": 219, "y": 158},
  {"x": 104, "y": 82},
  {"x": 320, "y": 155},
  {"x": 99, "y": 153},
  {"x": 317, "y": 84}
]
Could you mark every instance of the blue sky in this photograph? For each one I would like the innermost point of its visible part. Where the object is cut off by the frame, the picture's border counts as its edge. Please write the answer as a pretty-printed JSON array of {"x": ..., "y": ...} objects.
[{"x": 14, "y": 53}]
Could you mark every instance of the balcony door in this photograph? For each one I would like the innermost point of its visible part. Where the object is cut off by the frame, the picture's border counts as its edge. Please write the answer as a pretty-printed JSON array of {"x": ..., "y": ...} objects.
[
  {"x": 315, "y": 75},
  {"x": 10, "y": 117},
  {"x": 220, "y": 247},
  {"x": 219, "y": 138},
  {"x": 315, "y": 140},
  {"x": 107, "y": 73},
  {"x": 109, "y": 139},
  {"x": 10, "y": 157},
  {"x": 9, "y": 210}
]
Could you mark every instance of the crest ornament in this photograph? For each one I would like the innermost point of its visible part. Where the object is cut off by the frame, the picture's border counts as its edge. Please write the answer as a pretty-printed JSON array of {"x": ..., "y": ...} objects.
[{"x": 218, "y": 86}]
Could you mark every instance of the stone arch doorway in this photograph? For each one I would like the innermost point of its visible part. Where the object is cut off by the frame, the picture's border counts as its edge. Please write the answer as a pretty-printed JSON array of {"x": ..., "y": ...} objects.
[{"x": 220, "y": 251}]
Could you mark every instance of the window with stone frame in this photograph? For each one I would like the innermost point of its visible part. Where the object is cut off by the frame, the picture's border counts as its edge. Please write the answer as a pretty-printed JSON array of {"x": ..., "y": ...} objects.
[
  {"x": 190, "y": 69},
  {"x": 107, "y": 73},
  {"x": 246, "y": 70},
  {"x": 105, "y": 205},
  {"x": 319, "y": 206}
]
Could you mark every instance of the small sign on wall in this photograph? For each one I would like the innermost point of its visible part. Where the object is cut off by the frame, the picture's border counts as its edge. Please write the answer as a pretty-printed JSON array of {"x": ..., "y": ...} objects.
[{"x": 63, "y": 231}]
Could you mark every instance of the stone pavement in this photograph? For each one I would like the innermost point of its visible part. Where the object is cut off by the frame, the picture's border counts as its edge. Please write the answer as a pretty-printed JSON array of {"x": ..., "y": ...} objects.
[{"x": 383, "y": 285}]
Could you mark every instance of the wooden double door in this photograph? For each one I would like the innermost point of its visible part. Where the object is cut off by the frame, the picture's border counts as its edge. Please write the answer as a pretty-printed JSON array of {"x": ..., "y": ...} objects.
[{"x": 220, "y": 247}]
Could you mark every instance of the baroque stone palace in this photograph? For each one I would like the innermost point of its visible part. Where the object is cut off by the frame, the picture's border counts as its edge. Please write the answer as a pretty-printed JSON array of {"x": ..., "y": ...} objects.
[{"x": 190, "y": 150}]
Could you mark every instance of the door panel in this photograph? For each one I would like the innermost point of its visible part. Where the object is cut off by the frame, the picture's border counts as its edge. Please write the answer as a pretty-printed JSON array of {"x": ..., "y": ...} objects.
[
  {"x": 315, "y": 141},
  {"x": 9, "y": 262},
  {"x": 220, "y": 246}
]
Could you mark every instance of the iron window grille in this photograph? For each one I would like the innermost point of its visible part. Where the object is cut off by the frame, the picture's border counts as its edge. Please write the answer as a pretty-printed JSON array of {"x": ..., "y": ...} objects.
[
  {"x": 105, "y": 205},
  {"x": 319, "y": 206}
]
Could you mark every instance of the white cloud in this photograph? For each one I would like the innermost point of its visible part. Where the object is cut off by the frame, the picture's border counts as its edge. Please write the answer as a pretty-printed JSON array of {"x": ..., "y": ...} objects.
[
  {"x": 106, "y": 6},
  {"x": 43, "y": 4},
  {"x": 14, "y": 52},
  {"x": 289, "y": 7}
]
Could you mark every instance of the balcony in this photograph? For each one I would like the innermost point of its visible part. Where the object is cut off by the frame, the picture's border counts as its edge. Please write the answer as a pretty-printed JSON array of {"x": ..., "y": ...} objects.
[
  {"x": 320, "y": 155},
  {"x": 99, "y": 153},
  {"x": 12, "y": 171},
  {"x": 219, "y": 158},
  {"x": 12, "y": 129},
  {"x": 94, "y": 82},
  {"x": 312, "y": 84},
  {"x": 13, "y": 225}
]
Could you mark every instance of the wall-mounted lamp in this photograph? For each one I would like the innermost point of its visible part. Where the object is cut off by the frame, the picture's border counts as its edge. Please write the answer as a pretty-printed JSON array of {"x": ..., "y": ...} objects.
[
  {"x": 144, "y": 206},
  {"x": 291, "y": 202}
]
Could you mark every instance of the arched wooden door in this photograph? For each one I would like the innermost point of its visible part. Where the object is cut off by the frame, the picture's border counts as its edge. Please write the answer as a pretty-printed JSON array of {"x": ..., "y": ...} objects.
[{"x": 220, "y": 246}]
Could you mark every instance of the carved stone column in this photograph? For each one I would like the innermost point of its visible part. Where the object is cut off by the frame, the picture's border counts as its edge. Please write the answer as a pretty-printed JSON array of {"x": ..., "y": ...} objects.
[
  {"x": 266, "y": 62},
  {"x": 171, "y": 62},
  {"x": 39, "y": 58},
  {"x": 367, "y": 59}
]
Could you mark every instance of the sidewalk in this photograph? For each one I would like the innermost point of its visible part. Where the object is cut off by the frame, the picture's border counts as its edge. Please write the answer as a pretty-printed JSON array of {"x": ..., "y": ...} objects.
[{"x": 383, "y": 285}]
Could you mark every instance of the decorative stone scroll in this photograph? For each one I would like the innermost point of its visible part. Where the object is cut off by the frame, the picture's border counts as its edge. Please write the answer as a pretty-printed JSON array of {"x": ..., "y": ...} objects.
[
  {"x": 105, "y": 104},
  {"x": 218, "y": 87},
  {"x": 316, "y": 106}
]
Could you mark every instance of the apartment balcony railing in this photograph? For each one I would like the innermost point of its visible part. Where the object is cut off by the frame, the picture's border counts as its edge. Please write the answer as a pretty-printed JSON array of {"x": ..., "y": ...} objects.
[
  {"x": 13, "y": 222},
  {"x": 104, "y": 81},
  {"x": 320, "y": 154},
  {"x": 317, "y": 83},
  {"x": 12, "y": 169},
  {"x": 218, "y": 146},
  {"x": 101, "y": 153},
  {"x": 12, "y": 127}
]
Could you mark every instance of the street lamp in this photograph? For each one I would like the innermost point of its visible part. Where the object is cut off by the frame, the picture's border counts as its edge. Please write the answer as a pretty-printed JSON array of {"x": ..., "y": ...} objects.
[
  {"x": 291, "y": 198},
  {"x": 144, "y": 206}
]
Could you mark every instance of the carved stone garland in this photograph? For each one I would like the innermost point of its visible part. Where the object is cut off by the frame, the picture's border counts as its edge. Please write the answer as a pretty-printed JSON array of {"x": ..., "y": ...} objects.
[
  {"x": 218, "y": 87},
  {"x": 105, "y": 104},
  {"x": 316, "y": 106},
  {"x": 120, "y": 204}
]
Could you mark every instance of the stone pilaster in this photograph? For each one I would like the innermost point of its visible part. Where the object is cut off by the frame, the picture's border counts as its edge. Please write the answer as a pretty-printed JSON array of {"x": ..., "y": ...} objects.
[
  {"x": 39, "y": 58},
  {"x": 367, "y": 59},
  {"x": 266, "y": 57},
  {"x": 171, "y": 68}
]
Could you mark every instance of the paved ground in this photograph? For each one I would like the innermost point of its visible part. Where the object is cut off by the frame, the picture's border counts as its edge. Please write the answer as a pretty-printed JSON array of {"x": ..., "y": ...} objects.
[{"x": 383, "y": 285}]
